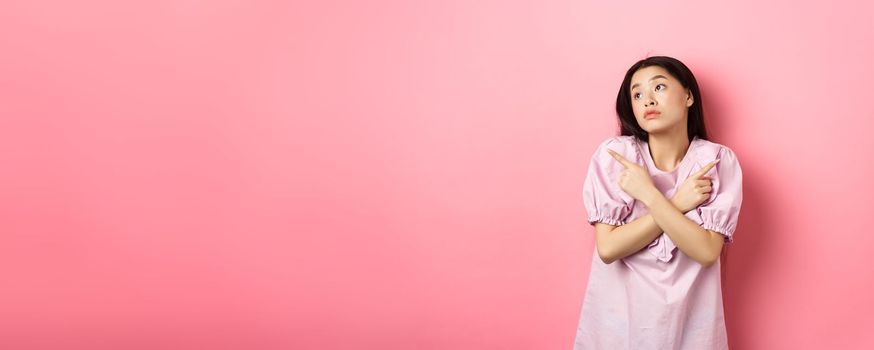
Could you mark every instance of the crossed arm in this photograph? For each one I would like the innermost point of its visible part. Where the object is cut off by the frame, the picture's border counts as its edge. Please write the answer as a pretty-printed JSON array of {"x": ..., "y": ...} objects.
[{"x": 616, "y": 242}]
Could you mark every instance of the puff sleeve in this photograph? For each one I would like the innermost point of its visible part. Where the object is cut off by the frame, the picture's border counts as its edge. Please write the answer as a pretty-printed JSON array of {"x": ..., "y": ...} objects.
[
  {"x": 720, "y": 212},
  {"x": 604, "y": 200}
]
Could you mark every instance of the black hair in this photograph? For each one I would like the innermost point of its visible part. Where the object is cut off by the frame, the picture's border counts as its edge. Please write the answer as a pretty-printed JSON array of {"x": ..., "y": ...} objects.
[{"x": 628, "y": 124}]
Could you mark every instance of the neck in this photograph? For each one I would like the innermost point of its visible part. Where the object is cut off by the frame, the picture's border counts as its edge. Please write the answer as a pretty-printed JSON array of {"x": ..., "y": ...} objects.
[{"x": 668, "y": 150}]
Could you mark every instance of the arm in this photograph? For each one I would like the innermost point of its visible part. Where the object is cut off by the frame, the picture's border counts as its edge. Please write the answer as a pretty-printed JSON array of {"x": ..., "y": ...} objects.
[
  {"x": 617, "y": 242},
  {"x": 700, "y": 244}
]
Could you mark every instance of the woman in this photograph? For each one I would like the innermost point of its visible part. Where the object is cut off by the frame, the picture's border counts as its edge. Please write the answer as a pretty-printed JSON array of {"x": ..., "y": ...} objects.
[{"x": 663, "y": 200}]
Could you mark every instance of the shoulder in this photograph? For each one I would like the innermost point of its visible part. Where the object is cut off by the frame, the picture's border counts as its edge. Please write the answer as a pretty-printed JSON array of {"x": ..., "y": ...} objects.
[
  {"x": 622, "y": 144},
  {"x": 621, "y": 139},
  {"x": 707, "y": 151},
  {"x": 626, "y": 146}
]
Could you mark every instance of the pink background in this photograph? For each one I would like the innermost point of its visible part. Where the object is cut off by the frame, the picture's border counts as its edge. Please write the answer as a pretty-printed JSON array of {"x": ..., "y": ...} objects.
[{"x": 399, "y": 175}]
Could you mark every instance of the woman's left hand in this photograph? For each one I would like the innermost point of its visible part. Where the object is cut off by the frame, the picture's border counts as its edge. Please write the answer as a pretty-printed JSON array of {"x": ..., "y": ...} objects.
[{"x": 634, "y": 180}]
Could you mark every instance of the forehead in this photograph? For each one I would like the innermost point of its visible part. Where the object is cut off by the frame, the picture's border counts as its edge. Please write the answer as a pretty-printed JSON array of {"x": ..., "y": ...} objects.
[{"x": 642, "y": 76}]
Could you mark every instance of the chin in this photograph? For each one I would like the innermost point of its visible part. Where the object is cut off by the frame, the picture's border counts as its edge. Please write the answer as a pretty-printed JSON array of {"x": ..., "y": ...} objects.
[
  {"x": 655, "y": 129},
  {"x": 660, "y": 129}
]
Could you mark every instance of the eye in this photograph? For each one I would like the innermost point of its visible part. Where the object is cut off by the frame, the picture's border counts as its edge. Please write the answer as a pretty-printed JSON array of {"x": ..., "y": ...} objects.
[{"x": 657, "y": 86}]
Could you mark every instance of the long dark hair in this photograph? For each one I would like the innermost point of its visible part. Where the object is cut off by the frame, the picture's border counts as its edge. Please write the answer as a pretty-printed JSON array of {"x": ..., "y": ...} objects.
[{"x": 628, "y": 124}]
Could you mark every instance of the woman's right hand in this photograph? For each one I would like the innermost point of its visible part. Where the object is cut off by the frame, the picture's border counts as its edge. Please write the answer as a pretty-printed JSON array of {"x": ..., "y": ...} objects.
[{"x": 694, "y": 191}]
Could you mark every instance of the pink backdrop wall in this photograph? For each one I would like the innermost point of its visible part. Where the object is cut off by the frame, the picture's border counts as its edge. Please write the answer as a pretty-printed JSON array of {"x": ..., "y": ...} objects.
[{"x": 404, "y": 175}]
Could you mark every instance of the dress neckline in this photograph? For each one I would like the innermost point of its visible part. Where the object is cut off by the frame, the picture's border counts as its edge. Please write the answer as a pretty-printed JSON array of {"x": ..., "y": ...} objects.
[{"x": 648, "y": 156}]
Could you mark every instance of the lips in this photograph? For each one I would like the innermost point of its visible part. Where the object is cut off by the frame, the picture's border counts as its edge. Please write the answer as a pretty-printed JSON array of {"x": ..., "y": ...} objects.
[{"x": 650, "y": 115}]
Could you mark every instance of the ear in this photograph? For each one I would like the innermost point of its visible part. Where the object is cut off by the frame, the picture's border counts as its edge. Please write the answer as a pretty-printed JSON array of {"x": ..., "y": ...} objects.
[{"x": 690, "y": 100}]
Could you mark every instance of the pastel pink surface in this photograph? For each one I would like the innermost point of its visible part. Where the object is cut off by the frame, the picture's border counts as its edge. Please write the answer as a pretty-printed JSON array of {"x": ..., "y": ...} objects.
[{"x": 403, "y": 175}]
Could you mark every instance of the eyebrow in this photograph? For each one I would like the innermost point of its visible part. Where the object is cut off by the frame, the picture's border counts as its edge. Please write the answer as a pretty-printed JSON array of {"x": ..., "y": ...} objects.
[{"x": 653, "y": 78}]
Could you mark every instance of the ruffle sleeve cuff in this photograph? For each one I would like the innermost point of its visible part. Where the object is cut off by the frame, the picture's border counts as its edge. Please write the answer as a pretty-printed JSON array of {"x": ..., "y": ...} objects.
[{"x": 603, "y": 198}]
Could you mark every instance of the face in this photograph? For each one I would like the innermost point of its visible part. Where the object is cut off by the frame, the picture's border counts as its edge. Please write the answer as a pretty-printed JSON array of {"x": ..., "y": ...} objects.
[{"x": 654, "y": 89}]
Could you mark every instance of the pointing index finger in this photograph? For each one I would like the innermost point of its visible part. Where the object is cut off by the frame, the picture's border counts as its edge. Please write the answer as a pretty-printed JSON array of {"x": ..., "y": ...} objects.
[
  {"x": 618, "y": 157},
  {"x": 706, "y": 168}
]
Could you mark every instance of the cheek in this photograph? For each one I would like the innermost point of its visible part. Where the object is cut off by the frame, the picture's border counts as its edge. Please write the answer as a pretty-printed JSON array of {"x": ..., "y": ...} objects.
[{"x": 679, "y": 100}]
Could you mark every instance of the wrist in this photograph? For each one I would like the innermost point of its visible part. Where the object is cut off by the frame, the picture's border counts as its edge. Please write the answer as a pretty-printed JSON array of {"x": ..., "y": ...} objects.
[
  {"x": 652, "y": 197},
  {"x": 677, "y": 205}
]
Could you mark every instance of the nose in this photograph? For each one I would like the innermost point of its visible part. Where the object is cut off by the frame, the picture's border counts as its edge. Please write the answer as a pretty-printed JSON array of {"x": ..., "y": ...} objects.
[{"x": 649, "y": 101}]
